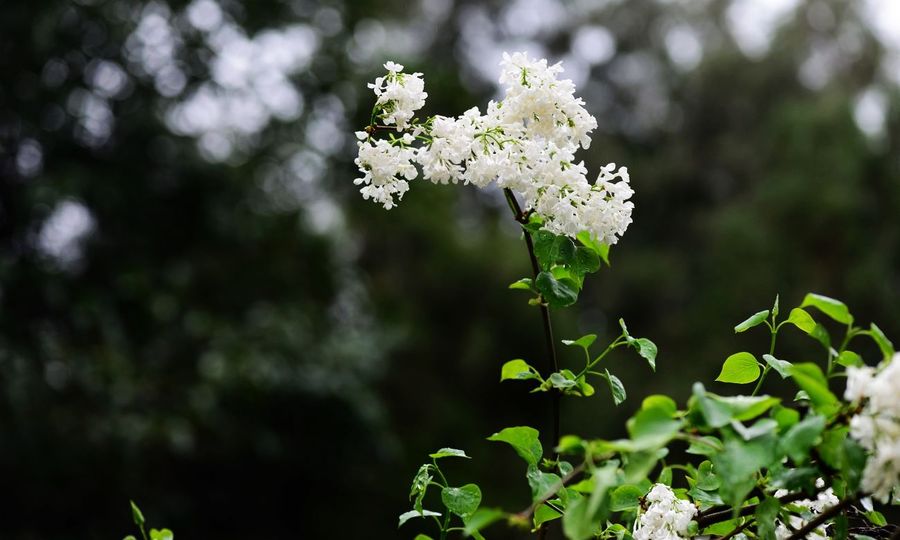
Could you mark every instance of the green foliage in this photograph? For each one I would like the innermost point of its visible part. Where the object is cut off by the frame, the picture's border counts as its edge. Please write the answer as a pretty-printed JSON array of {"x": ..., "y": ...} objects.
[
  {"x": 448, "y": 452},
  {"x": 462, "y": 501},
  {"x": 750, "y": 447},
  {"x": 835, "y": 309},
  {"x": 155, "y": 534},
  {"x": 754, "y": 320},
  {"x": 739, "y": 368},
  {"x": 524, "y": 440},
  {"x": 802, "y": 320}
]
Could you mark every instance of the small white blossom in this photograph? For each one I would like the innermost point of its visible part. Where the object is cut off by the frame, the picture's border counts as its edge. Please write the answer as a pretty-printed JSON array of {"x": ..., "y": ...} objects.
[
  {"x": 386, "y": 168},
  {"x": 666, "y": 518},
  {"x": 877, "y": 426},
  {"x": 858, "y": 380},
  {"x": 400, "y": 95},
  {"x": 823, "y": 501}
]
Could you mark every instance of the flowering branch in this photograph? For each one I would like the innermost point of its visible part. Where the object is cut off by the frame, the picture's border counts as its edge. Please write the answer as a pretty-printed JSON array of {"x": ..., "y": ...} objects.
[{"x": 822, "y": 518}]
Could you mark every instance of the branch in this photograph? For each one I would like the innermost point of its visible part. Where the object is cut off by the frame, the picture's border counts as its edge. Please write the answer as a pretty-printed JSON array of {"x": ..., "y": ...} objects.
[
  {"x": 822, "y": 518},
  {"x": 522, "y": 218},
  {"x": 736, "y": 531},
  {"x": 528, "y": 512},
  {"x": 717, "y": 514}
]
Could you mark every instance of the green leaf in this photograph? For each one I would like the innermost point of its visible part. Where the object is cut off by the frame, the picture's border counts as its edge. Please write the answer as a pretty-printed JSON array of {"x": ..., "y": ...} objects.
[
  {"x": 849, "y": 358},
  {"x": 524, "y": 441},
  {"x": 543, "y": 514},
  {"x": 559, "y": 380},
  {"x": 462, "y": 501},
  {"x": 130, "y": 537},
  {"x": 136, "y": 515},
  {"x": 616, "y": 388},
  {"x": 647, "y": 350},
  {"x": 802, "y": 320},
  {"x": 876, "y": 518},
  {"x": 887, "y": 348},
  {"x": 665, "y": 476},
  {"x": 420, "y": 485},
  {"x": 810, "y": 379},
  {"x": 164, "y": 534},
  {"x": 718, "y": 411},
  {"x": 652, "y": 428},
  {"x": 704, "y": 446},
  {"x": 738, "y": 464},
  {"x": 602, "y": 250},
  {"x": 421, "y": 536},
  {"x": 754, "y": 320},
  {"x": 785, "y": 417},
  {"x": 781, "y": 366},
  {"x": 584, "y": 515},
  {"x": 448, "y": 452},
  {"x": 625, "y": 497},
  {"x": 542, "y": 484},
  {"x": 406, "y": 516},
  {"x": 585, "y": 261},
  {"x": 481, "y": 519},
  {"x": 638, "y": 465},
  {"x": 820, "y": 334},
  {"x": 831, "y": 449},
  {"x": 518, "y": 370},
  {"x": 551, "y": 249},
  {"x": 829, "y": 306},
  {"x": 524, "y": 284},
  {"x": 706, "y": 478},
  {"x": 557, "y": 292},
  {"x": 766, "y": 514},
  {"x": 802, "y": 436},
  {"x": 662, "y": 402},
  {"x": 584, "y": 341},
  {"x": 739, "y": 368},
  {"x": 775, "y": 307},
  {"x": 762, "y": 427}
]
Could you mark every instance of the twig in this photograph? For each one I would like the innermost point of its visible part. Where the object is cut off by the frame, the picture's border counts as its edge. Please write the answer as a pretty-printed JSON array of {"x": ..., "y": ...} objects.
[
  {"x": 736, "y": 531},
  {"x": 528, "y": 512},
  {"x": 522, "y": 218},
  {"x": 822, "y": 518},
  {"x": 717, "y": 514}
]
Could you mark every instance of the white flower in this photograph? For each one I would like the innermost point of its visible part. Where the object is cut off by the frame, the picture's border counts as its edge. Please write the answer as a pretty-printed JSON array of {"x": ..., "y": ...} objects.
[
  {"x": 666, "y": 518},
  {"x": 400, "y": 95},
  {"x": 526, "y": 142},
  {"x": 858, "y": 380},
  {"x": 877, "y": 426},
  {"x": 386, "y": 168},
  {"x": 824, "y": 500}
]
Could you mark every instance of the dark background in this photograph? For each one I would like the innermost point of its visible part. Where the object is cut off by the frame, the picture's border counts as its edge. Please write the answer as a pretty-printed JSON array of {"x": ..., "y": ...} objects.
[{"x": 198, "y": 311}]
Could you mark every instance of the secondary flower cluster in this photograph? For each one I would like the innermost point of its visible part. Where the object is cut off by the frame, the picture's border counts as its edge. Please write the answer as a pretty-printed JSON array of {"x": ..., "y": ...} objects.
[
  {"x": 877, "y": 426},
  {"x": 667, "y": 517},
  {"x": 824, "y": 500},
  {"x": 526, "y": 142}
]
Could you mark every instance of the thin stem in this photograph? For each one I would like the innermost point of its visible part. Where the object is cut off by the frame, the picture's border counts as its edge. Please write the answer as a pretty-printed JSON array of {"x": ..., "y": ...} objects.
[
  {"x": 521, "y": 217},
  {"x": 563, "y": 482},
  {"x": 768, "y": 367},
  {"x": 616, "y": 343},
  {"x": 822, "y": 518}
]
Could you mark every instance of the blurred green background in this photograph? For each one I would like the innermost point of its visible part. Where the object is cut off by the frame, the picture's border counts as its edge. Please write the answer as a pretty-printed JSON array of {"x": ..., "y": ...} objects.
[{"x": 198, "y": 311}]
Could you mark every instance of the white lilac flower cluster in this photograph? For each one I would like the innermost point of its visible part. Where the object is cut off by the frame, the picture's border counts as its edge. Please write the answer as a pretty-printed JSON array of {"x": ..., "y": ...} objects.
[
  {"x": 877, "y": 426},
  {"x": 824, "y": 500},
  {"x": 526, "y": 142},
  {"x": 666, "y": 518}
]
